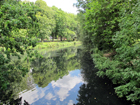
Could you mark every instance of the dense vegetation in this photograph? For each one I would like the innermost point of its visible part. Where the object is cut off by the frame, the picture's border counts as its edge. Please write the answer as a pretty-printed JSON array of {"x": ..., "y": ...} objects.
[
  {"x": 96, "y": 90},
  {"x": 55, "y": 23},
  {"x": 23, "y": 24},
  {"x": 108, "y": 28},
  {"x": 111, "y": 29},
  {"x": 52, "y": 66},
  {"x": 14, "y": 17}
]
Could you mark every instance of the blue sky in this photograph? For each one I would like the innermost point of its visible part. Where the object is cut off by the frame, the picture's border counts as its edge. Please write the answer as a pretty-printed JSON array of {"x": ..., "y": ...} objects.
[
  {"x": 60, "y": 92},
  {"x": 65, "y": 5}
]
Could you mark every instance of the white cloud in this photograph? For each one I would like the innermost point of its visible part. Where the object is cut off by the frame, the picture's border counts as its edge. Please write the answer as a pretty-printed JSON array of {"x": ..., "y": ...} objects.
[
  {"x": 33, "y": 95},
  {"x": 66, "y": 84},
  {"x": 60, "y": 87},
  {"x": 48, "y": 103},
  {"x": 54, "y": 99},
  {"x": 70, "y": 102},
  {"x": 49, "y": 96}
]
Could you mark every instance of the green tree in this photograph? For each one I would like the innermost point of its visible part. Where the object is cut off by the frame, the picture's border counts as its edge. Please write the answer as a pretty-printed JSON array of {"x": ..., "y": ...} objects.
[
  {"x": 82, "y": 33},
  {"x": 45, "y": 20},
  {"x": 96, "y": 90},
  {"x": 114, "y": 25},
  {"x": 71, "y": 26},
  {"x": 15, "y": 15}
]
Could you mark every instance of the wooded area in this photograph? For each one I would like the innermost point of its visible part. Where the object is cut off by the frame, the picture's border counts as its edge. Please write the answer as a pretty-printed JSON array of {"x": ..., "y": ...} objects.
[
  {"x": 112, "y": 30},
  {"x": 23, "y": 24},
  {"x": 109, "y": 29}
]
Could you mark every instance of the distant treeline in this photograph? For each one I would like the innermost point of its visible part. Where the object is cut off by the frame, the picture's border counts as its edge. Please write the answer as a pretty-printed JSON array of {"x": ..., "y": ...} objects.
[{"x": 55, "y": 23}]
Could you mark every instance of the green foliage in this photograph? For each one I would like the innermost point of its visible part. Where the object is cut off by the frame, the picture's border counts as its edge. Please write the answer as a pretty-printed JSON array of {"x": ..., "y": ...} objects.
[
  {"x": 55, "y": 45},
  {"x": 113, "y": 36},
  {"x": 65, "y": 25},
  {"x": 45, "y": 19},
  {"x": 52, "y": 68},
  {"x": 102, "y": 22},
  {"x": 55, "y": 23},
  {"x": 15, "y": 17},
  {"x": 21, "y": 24},
  {"x": 95, "y": 90}
]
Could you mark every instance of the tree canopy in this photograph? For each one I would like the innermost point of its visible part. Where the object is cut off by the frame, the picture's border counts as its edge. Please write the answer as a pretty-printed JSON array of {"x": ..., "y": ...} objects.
[
  {"x": 22, "y": 25},
  {"x": 55, "y": 22},
  {"x": 111, "y": 29},
  {"x": 14, "y": 17}
]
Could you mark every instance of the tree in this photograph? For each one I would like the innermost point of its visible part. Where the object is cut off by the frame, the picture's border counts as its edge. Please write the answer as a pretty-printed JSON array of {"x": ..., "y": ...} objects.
[
  {"x": 15, "y": 15},
  {"x": 71, "y": 24},
  {"x": 113, "y": 25},
  {"x": 91, "y": 92},
  {"x": 45, "y": 20},
  {"x": 44, "y": 28},
  {"x": 83, "y": 34}
]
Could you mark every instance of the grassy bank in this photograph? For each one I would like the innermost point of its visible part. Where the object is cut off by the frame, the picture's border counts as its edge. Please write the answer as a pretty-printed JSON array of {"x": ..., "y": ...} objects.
[
  {"x": 56, "y": 45},
  {"x": 51, "y": 45}
]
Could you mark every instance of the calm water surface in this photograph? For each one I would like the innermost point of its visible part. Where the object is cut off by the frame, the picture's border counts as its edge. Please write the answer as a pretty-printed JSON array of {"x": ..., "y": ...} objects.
[{"x": 66, "y": 77}]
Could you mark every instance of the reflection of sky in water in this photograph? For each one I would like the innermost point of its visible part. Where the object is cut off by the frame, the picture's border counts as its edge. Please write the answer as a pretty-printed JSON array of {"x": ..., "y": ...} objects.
[{"x": 61, "y": 92}]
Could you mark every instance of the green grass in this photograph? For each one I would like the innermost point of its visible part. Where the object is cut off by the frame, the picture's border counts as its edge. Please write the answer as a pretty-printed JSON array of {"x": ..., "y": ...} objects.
[
  {"x": 56, "y": 45},
  {"x": 50, "y": 46}
]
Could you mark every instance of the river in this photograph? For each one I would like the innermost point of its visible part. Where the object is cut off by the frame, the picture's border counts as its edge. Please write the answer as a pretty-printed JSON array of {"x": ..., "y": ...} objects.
[{"x": 65, "y": 77}]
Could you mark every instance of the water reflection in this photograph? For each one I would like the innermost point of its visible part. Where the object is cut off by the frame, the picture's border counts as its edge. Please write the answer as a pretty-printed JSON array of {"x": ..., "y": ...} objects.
[
  {"x": 56, "y": 83},
  {"x": 66, "y": 84},
  {"x": 96, "y": 91},
  {"x": 61, "y": 92},
  {"x": 58, "y": 79},
  {"x": 54, "y": 67}
]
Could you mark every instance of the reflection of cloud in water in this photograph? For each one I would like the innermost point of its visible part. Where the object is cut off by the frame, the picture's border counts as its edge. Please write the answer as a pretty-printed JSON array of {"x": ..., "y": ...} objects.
[
  {"x": 49, "y": 96},
  {"x": 54, "y": 99},
  {"x": 32, "y": 96},
  {"x": 70, "y": 102},
  {"x": 66, "y": 84},
  {"x": 57, "y": 93},
  {"x": 48, "y": 103}
]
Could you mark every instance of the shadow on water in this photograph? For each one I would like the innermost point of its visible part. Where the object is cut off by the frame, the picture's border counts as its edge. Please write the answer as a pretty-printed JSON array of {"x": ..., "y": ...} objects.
[{"x": 96, "y": 90}]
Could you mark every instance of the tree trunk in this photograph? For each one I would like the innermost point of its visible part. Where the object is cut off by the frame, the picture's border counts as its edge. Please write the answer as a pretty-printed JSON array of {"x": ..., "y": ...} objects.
[
  {"x": 61, "y": 38},
  {"x": 41, "y": 40}
]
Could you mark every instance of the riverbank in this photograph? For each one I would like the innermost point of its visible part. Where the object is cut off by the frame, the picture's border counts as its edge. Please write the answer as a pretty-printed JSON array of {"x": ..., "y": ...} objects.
[{"x": 56, "y": 45}]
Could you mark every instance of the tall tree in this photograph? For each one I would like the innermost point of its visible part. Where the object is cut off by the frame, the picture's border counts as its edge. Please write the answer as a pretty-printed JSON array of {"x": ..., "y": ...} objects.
[
  {"x": 113, "y": 25},
  {"x": 43, "y": 20},
  {"x": 14, "y": 16}
]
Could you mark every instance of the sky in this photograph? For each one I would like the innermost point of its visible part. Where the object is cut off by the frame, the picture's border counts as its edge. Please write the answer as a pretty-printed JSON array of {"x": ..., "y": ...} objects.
[
  {"x": 65, "y": 5},
  {"x": 64, "y": 90}
]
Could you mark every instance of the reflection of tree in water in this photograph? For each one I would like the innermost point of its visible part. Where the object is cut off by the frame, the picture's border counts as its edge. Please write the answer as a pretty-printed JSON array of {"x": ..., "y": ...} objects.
[
  {"x": 67, "y": 60},
  {"x": 44, "y": 71},
  {"x": 17, "y": 83},
  {"x": 18, "y": 101},
  {"x": 96, "y": 91},
  {"x": 52, "y": 68}
]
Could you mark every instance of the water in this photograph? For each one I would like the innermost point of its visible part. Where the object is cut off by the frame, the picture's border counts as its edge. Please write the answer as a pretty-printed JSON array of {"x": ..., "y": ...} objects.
[
  {"x": 60, "y": 92},
  {"x": 65, "y": 77}
]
